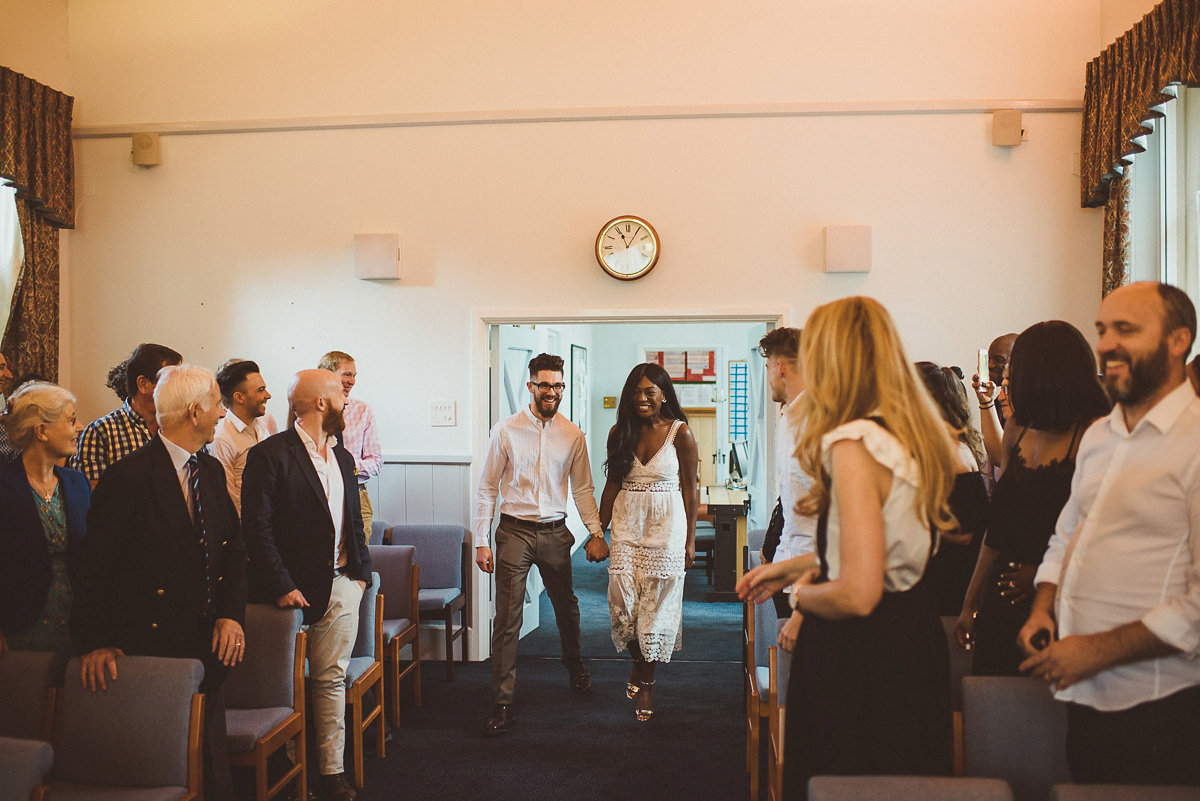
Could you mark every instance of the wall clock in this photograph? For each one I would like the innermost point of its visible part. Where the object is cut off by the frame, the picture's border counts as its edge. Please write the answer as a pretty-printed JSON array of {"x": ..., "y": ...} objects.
[{"x": 627, "y": 248}]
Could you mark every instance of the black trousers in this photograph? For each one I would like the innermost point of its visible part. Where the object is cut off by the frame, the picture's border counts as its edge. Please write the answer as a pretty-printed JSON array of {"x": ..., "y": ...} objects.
[{"x": 1156, "y": 742}]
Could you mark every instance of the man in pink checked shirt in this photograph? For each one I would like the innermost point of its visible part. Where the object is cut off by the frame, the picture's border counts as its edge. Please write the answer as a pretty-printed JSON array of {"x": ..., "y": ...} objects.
[{"x": 361, "y": 436}]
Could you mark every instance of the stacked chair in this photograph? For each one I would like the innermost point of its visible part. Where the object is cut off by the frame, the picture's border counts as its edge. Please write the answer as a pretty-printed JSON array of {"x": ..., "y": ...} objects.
[
  {"x": 264, "y": 698},
  {"x": 444, "y": 554},
  {"x": 398, "y": 580}
]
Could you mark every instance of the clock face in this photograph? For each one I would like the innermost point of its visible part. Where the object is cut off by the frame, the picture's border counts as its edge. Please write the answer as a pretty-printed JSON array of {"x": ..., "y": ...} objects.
[{"x": 627, "y": 248}]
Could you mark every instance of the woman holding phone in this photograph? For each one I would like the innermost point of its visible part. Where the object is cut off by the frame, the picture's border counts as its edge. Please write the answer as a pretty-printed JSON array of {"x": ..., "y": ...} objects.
[
  {"x": 1054, "y": 395},
  {"x": 870, "y": 681}
]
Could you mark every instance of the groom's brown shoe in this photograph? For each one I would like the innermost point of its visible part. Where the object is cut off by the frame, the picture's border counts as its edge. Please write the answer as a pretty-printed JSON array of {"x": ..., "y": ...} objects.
[{"x": 581, "y": 683}]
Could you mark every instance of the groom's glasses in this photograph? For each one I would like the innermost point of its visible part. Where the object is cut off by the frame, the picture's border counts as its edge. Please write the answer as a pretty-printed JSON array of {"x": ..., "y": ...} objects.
[{"x": 544, "y": 387}]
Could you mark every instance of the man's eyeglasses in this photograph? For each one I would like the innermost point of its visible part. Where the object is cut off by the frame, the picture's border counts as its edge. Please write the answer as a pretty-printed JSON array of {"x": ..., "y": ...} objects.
[{"x": 544, "y": 387}]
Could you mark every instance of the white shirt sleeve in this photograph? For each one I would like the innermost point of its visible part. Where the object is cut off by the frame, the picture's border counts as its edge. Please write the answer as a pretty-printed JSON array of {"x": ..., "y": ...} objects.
[
  {"x": 582, "y": 488},
  {"x": 488, "y": 490}
]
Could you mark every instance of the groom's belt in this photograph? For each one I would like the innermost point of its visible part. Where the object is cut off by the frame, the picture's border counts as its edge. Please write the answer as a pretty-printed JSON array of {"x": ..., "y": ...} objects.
[{"x": 533, "y": 525}]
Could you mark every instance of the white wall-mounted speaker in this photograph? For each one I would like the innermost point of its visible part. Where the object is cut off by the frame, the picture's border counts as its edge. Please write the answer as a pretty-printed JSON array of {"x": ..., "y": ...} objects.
[
  {"x": 147, "y": 151},
  {"x": 847, "y": 248},
  {"x": 377, "y": 256},
  {"x": 1006, "y": 127}
]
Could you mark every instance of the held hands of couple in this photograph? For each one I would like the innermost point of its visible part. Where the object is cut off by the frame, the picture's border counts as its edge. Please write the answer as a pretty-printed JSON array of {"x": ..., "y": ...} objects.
[{"x": 596, "y": 549}]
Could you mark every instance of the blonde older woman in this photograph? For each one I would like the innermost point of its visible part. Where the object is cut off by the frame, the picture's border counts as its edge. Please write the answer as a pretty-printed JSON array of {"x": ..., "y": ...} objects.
[{"x": 43, "y": 509}]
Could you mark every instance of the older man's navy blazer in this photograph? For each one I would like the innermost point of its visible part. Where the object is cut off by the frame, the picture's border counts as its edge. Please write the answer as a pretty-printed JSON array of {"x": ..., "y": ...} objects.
[
  {"x": 141, "y": 577},
  {"x": 288, "y": 530},
  {"x": 25, "y": 569}
]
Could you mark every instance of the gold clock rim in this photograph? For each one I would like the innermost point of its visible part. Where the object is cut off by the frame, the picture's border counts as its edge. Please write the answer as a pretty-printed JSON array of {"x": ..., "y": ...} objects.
[{"x": 640, "y": 273}]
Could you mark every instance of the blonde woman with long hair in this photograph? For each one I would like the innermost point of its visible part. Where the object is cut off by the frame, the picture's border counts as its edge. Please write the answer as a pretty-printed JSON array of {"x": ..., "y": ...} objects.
[{"x": 870, "y": 684}]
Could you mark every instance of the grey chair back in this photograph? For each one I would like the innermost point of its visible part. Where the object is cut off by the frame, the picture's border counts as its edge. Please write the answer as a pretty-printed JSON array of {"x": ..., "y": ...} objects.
[
  {"x": 364, "y": 645},
  {"x": 906, "y": 788},
  {"x": 263, "y": 679},
  {"x": 24, "y": 765},
  {"x": 1123, "y": 792},
  {"x": 135, "y": 733},
  {"x": 765, "y": 632},
  {"x": 439, "y": 553},
  {"x": 25, "y": 679},
  {"x": 960, "y": 662},
  {"x": 394, "y": 566},
  {"x": 378, "y": 529},
  {"x": 1014, "y": 730},
  {"x": 755, "y": 538}
]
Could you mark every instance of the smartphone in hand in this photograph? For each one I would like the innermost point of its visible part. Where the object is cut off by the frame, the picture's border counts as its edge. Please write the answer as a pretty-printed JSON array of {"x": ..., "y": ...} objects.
[{"x": 982, "y": 367}]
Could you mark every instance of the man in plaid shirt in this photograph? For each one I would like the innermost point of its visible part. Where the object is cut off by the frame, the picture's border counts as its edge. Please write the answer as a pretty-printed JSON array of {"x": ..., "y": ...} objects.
[
  {"x": 361, "y": 436},
  {"x": 127, "y": 428}
]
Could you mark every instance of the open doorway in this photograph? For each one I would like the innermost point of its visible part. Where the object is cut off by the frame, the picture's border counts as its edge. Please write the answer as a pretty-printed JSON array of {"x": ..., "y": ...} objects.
[{"x": 718, "y": 377}]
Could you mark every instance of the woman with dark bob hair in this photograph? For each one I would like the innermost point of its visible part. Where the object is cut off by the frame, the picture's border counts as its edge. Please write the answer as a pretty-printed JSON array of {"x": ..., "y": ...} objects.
[
  {"x": 1054, "y": 395},
  {"x": 651, "y": 499}
]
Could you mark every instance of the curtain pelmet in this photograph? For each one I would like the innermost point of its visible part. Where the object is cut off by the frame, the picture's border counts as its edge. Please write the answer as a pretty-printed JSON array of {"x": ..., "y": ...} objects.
[{"x": 1125, "y": 83}]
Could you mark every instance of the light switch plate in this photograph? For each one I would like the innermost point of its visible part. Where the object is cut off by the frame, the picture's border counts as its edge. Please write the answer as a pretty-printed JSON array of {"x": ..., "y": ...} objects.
[{"x": 443, "y": 413}]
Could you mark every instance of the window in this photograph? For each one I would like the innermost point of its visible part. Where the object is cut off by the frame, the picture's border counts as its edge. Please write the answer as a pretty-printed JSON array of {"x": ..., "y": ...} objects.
[
  {"x": 12, "y": 251},
  {"x": 1166, "y": 198}
]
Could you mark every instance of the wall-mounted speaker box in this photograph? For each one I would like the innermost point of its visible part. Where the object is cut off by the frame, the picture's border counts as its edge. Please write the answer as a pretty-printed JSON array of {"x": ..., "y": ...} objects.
[
  {"x": 1006, "y": 128},
  {"x": 377, "y": 256},
  {"x": 847, "y": 248},
  {"x": 147, "y": 151}
]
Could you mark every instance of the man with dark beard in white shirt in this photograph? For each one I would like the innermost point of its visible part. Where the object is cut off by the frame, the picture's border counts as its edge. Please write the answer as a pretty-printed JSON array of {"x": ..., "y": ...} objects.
[
  {"x": 1115, "y": 625},
  {"x": 530, "y": 458}
]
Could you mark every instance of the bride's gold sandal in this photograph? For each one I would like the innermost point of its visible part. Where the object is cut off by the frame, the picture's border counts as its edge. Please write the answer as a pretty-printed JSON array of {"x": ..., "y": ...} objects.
[{"x": 644, "y": 715}]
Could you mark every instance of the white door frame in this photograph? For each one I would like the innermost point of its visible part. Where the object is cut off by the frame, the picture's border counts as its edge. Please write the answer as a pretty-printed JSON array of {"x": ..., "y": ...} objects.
[{"x": 479, "y": 634}]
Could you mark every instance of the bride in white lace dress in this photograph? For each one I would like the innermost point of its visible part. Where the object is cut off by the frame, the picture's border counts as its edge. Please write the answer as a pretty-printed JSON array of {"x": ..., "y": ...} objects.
[{"x": 651, "y": 500}]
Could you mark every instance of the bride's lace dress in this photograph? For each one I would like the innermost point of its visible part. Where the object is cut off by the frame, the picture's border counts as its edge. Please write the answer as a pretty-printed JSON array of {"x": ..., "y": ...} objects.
[{"x": 647, "y": 563}]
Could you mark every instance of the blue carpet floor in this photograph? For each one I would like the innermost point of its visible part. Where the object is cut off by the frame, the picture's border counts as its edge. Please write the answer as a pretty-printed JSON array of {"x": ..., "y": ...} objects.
[{"x": 565, "y": 746}]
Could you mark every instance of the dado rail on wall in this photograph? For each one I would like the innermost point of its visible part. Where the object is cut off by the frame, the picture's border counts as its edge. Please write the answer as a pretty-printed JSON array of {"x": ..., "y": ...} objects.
[{"x": 595, "y": 114}]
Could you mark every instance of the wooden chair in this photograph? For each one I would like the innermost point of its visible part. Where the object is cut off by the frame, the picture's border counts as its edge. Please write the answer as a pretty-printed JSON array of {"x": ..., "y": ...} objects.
[
  {"x": 24, "y": 768},
  {"x": 444, "y": 555},
  {"x": 264, "y": 696},
  {"x": 1014, "y": 729},
  {"x": 399, "y": 579},
  {"x": 778, "y": 666},
  {"x": 145, "y": 731},
  {"x": 365, "y": 673},
  {"x": 27, "y": 694},
  {"x": 760, "y": 625},
  {"x": 960, "y": 667},
  {"x": 906, "y": 788}
]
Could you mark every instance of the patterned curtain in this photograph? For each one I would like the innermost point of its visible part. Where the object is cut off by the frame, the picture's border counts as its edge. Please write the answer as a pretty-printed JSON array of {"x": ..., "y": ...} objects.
[
  {"x": 1124, "y": 86},
  {"x": 1116, "y": 232},
  {"x": 36, "y": 157}
]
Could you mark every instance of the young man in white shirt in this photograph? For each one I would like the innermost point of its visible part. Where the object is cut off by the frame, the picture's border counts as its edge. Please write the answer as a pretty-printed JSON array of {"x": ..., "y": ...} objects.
[
  {"x": 530, "y": 458},
  {"x": 244, "y": 393},
  {"x": 781, "y": 348},
  {"x": 1115, "y": 626}
]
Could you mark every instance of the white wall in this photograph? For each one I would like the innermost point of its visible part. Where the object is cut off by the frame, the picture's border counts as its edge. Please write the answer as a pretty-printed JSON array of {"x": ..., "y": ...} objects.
[
  {"x": 242, "y": 243},
  {"x": 33, "y": 40}
]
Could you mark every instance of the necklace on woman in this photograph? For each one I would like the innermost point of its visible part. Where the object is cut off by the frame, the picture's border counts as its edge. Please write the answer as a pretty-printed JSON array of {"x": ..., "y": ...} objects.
[{"x": 46, "y": 495}]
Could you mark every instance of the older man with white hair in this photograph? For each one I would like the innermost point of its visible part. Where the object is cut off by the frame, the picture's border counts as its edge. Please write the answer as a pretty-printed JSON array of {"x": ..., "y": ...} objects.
[{"x": 163, "y": 569}]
